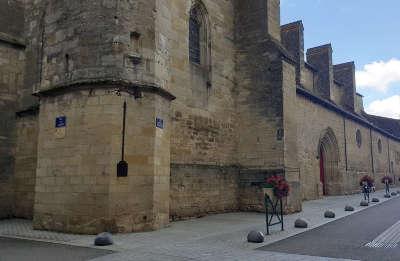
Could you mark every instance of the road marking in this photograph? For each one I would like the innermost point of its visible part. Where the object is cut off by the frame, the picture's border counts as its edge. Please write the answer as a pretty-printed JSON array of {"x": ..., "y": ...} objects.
[{"x": 390, "y": 238}]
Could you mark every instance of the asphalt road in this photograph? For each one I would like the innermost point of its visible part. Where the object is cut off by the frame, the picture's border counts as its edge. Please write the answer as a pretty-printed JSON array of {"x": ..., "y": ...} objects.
[
  {"x": 347, "y": 237},
  {"x": 26, "y": 250}
]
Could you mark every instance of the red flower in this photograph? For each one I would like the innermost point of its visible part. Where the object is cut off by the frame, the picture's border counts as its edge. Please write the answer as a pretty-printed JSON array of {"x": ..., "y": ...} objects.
[
  {"x": 388, "y": 179},
  {"x": 280, "y": 186},
  {"x": 368, "y": 179}
]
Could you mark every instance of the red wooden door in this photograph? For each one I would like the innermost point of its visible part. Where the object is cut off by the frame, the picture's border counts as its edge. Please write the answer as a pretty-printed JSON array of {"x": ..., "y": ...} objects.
[{"x": 322, "y": 170}]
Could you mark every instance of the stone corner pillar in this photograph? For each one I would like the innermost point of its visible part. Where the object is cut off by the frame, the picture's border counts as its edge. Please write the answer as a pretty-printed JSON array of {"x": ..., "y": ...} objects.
[
  {"x": 290, "y": 155},
  {"x": 79, "y": 147},
  {"x": 140, "y": 202}
]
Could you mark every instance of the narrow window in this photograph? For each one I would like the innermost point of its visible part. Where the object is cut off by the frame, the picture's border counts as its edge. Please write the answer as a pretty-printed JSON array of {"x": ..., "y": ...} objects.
[
  {"x": 380, "y": 146},
  {"x": 199, "y": 35},
  {"x": 199, "y": 53},
  {"x": 67, "y": 63},
  {"x": 194, "y": 39},
  {"x": 358, "y": 138}
]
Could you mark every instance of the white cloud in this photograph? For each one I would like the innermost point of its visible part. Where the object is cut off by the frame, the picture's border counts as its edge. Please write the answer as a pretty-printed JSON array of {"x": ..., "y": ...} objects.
[
  {"x": 389, "y": 107},
  {"x": 379, "y": 75}
]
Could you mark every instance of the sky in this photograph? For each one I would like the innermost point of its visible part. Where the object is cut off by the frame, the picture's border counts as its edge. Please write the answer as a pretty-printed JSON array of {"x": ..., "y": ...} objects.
[{"x": 364, "y": 31}]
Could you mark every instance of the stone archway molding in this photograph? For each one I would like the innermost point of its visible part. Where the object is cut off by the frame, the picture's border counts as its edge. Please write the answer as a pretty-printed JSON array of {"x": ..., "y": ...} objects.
[{"x": 329, "y": 147}]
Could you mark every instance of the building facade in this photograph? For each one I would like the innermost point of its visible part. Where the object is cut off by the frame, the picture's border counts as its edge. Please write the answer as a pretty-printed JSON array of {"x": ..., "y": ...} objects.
[{"x": 202, "y": 99}]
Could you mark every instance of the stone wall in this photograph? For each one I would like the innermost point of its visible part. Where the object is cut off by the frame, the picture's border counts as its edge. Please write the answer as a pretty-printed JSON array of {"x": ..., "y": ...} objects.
[
  {"x": 337, "y": 94},
  {"x": 266, "y": 81},
  {"x": 273, "y": 18},
  {"x": 11, "y": 78},
  {"x": 12, "y": 60},
  {"x": 359, "y": 160},
  {"x": 77, "y": 188},
  {"x": 354, "y": 161},
  {"x": 25, "y": 165},
  {"x": 204, "y": 136},
  {"x": 73, "y": 172},
  {"x": 12, "y": 19},
  {"x": 198, "y": 190},
  {"x": 140, "y": 202},
  {"x": 320, "y": 57},
  {"x": 237, "y": 118},
  {"x": 259, "y": 99},
  {"x": 307, "y": 79},
  {"x": 345, "y": 73},
  {"x": 394, "y": 157},
  {"x": 205, "y": 132},
  {"x": 292, "y": 38},
  {"x": 290, "y": 129},
  {"x": 65, "y": 49},
  {"x": 359, "y": 104}
]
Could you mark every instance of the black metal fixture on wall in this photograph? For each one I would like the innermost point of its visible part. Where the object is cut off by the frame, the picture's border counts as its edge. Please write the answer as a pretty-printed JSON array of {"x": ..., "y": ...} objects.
[{"x": 122, "y": 167}]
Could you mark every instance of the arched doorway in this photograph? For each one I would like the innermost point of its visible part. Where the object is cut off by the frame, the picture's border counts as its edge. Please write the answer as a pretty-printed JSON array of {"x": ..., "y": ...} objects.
[{"x": 328, "y": 154}]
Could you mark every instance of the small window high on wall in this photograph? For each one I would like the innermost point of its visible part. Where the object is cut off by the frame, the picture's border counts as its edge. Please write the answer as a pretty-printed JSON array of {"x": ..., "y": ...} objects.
[
  {"x": 199, "y": 54},
  {"x": 194, "y": 40},
  {"x": 199, "y": 35}
]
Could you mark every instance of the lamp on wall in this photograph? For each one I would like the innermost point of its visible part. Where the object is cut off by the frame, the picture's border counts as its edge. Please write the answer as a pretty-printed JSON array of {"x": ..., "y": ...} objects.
[{"x": 122, "y": 166}]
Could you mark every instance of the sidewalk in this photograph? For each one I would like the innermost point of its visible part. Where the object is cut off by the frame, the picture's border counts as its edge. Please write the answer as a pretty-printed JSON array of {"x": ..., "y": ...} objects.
[{"x": 215, "y": 237}]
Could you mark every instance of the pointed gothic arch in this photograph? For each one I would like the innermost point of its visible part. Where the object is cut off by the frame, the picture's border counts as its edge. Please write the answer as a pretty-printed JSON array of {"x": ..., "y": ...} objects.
[
  {"x": 199, "y": 35},
  {"x": 329, "y": 157},
  {"x": 199, "y": 54}
]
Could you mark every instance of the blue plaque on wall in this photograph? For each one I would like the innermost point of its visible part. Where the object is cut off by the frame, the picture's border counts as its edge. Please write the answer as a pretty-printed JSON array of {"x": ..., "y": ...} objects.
[
  {"x": 159, "y": 123},
  {"x": 61, "y": 122}
]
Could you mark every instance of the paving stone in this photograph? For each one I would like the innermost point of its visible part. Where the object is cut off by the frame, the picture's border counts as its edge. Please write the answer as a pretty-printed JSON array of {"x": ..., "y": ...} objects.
[
  {"x": 387, "y": 196},
  {"x": 393, "y": 193},
  {"x": 375, "y": 200},
  {"x": 255, "y": 237},
  {"x": 364, "y": 203}
]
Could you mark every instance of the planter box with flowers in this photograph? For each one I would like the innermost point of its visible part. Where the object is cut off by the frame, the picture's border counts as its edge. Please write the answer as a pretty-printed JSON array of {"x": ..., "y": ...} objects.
[
  {"x": 276, "y": 187},
  {"x": 368, "y": 180},
  {"x": 387, "y": 179}
]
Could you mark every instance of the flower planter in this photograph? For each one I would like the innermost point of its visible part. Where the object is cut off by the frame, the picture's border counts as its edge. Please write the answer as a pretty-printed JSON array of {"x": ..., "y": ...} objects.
[{"x": 276, "y": 187}]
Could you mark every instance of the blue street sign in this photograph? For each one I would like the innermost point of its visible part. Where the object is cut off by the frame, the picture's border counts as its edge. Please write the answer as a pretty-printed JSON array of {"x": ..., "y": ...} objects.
[
  {"x": 159, "y": 123},
  {"x": 61, "y": 122}
]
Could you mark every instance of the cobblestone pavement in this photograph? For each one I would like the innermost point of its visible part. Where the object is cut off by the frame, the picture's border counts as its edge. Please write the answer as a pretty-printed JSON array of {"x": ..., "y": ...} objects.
[{"x": 215, "y": 237}]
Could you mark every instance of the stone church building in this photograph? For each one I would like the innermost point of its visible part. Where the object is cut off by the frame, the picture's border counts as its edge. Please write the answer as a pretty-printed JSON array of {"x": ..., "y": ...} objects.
[{"x": 203, "y": 99}]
